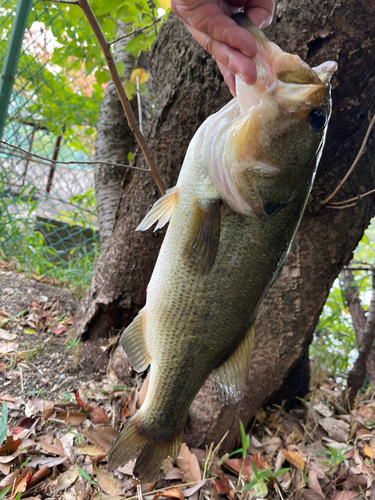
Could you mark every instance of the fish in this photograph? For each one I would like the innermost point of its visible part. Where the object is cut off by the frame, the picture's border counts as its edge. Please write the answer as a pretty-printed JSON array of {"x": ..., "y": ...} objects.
[{"x": 232, "y": 216}]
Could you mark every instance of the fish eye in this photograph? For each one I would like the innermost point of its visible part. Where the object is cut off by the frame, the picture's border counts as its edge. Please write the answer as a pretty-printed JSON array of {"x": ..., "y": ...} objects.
[{"x": 317, "y": 119}]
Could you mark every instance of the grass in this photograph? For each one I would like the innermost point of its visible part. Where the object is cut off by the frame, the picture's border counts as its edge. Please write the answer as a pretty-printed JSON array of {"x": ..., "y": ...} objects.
[{"x": 21, "y": 242}]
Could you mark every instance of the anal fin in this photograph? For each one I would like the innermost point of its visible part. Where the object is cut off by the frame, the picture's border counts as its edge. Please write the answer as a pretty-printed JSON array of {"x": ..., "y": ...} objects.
[
  {"x": 231, "y": 377},
  {"x": 161, "y": 211},
  {"x": 133, "y": 342},
  {"x": 202, "y": 243}
]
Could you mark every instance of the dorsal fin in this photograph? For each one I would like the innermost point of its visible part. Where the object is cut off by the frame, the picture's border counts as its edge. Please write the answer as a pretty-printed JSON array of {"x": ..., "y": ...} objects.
[
  {"x": 231, "y": 377},
  {"x": 133, "y": 342},
  {"x": 202, "y": 243},
  {"x": 161, "y": 211}
]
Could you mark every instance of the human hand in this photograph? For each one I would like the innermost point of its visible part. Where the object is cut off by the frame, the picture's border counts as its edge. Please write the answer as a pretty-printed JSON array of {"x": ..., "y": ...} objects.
[{"x": 232, "y": 47}]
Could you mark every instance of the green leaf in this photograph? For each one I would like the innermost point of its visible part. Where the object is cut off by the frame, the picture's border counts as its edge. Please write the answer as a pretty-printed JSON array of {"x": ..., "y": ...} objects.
[
  {"x": 86, "y": 476},
  {"x": 5, "y": 492},
  {"x": 130, "y": 89},
  {"x": 134, "y": 47},
  {"x": 107, "y": 7},
  {"x": 120, "y": 67},
  {"x": 29, "y": 331}
]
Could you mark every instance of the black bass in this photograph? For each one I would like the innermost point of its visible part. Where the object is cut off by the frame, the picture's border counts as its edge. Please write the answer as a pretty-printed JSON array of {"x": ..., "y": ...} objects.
[{"x": 233, "y": 214}]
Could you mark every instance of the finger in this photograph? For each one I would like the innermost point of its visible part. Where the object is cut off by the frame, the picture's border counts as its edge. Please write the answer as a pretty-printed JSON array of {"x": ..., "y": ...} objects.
[
  {"x": 229, "y": 79},
  {"x": 260, "y": 12},
  {"x": 211, "y": 21},
  {"x": 236, "y": 62}
]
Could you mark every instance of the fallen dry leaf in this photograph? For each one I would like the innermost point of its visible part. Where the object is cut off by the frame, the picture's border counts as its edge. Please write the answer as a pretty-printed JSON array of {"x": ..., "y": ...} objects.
[
  {"x": 50, "y": 461},
  {"x": 189, "y": 465},
  {"x": 9, "y": 479},
  {"x": 56, "y": 448},
  {"x": 346, "y": 495},
  {"x": 107, "y": 483},
  {"x": 311, "y": 495},
  {"x": 335, "y": 428},
  {"x": 99, "y": 416},
  {"x": 45, "y": 471},
  {"x": 72, "y": 418},
  {"x": 4, "y": 319},
  {"x": 10, "y": 446},
  {"x": 48, "y": 412},
  {"x": 172, "y": 493},
  {"x": 323, "y": 409},
  {"x": 367, "y": 412},
  {"x": 4, "y": 335},
  {"x": 193, "y": 490},
  {"x": 368, "y": 451},
  {"x": 58, "y": 330},
  {"x": 294, "y": 458},
  {"x": 363, "y": 434},
  {"x": 236, "y": 465},
  {"x": 92, "y": 450},
  {"x": 101, "y": 435},
  {"x": 65, "y": 480},
  {"x": 9, "y": 347},
  {"x": 21, "y": 482},
  {"x": 221, "y": 484},
  {"x": 3, "y": 367},
  {"x": 8, "y": 398}
]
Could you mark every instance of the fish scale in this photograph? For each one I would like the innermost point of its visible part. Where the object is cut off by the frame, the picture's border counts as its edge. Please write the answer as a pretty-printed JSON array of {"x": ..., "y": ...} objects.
[{"x": 233, "y": 214}]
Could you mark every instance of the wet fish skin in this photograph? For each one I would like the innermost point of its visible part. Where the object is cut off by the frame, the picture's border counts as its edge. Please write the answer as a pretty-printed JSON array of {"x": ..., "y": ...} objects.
[{"x": 234, "y": 212}]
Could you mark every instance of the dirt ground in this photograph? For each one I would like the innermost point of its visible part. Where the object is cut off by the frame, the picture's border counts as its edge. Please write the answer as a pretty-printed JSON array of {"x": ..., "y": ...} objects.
[
  {"x": 39, "y": 317},
  {"x": 62, "y": 407}
]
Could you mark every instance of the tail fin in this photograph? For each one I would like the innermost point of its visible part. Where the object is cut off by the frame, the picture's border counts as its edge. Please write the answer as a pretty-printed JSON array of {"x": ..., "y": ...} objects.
[{"x": 150, "y": 455}]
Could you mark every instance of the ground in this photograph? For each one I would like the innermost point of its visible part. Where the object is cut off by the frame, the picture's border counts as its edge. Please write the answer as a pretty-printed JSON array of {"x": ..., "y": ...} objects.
[{"x": 62, "y": 406}]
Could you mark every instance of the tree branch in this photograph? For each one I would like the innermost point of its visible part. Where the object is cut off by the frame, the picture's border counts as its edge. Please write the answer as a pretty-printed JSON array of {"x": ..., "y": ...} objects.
[
  {"x": 358, "y": 372},
  {"x": 121, "y": 92},
  {"x": 109, "y": 164},
  {"x": 356, "y": 198},
  {"x": 62, "y": 1},
  {"x": 354, "y": 164},
  {"x": 135, "y": 32}
]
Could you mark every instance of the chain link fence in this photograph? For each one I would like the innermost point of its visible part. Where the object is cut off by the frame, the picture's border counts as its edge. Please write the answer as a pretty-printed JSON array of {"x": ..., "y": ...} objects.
[{"x": 47, "y": 207}]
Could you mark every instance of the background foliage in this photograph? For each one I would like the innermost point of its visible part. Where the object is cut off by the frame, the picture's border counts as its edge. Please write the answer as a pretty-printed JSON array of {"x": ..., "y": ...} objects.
[{"x": 59, "y": 86}]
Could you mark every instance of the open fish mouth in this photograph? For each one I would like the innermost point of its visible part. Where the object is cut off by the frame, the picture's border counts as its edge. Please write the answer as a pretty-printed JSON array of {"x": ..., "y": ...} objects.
[{"x": 281, "y": 75}]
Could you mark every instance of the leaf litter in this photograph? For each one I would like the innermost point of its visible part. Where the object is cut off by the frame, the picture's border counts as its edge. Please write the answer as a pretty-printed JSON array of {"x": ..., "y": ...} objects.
[{"x": 56, "y": 436}]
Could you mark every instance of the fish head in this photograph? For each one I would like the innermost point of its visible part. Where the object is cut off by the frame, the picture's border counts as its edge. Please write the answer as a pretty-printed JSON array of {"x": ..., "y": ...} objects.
[{"x": 273, "y": 145}]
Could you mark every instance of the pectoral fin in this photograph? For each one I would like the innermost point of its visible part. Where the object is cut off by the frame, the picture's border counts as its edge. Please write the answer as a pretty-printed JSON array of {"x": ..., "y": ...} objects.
[
  {"x": 161, "y": 211},
  {"x": 202, "y": 243},
  {"x": 231, "y": 377},
  {"x": 133, "y": 343}
]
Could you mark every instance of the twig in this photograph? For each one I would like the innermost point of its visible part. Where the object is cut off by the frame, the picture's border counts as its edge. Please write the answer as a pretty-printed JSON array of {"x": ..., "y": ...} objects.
[
  {"x": 62, "y": 1},
  {"x": 107, "y": 163},
  {"x": 121, "y": 92},
  {"x": 135, "y": 32},
  {"x": 170, "y": 487},
  {"x": 359, "y": 154},
  {"x": 353, "y": 199},
  {"x": 333, "y": 207},
  {"x": 139, "y": 106}
]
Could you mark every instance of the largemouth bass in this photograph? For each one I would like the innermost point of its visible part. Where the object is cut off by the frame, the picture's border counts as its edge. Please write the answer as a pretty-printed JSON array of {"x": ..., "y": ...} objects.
[{"x": 233, "y": 214}]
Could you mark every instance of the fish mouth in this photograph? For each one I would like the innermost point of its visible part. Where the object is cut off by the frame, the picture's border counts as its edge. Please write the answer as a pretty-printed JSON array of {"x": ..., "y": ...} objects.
[{"x": 282, "y": 76}]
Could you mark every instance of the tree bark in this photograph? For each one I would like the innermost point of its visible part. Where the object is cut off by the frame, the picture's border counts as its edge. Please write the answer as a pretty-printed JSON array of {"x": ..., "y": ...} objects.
[
  {"x": 115, "y": 140},
  {"x": 358, "y": 318},
  {"x": 357, "y": 374},
  {"x": 188, "y": 88}
]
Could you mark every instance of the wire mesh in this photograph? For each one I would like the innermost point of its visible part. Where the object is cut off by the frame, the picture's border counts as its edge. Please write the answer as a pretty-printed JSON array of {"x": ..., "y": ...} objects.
[{"x": 47, "y": 209}]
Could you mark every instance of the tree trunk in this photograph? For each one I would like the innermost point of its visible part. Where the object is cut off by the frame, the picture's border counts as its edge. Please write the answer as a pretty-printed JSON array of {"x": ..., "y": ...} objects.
[
  {"x": 115, "y": 140},
  {"x": 358, "y": 318},
  {"x": 188, "y": 88}
]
